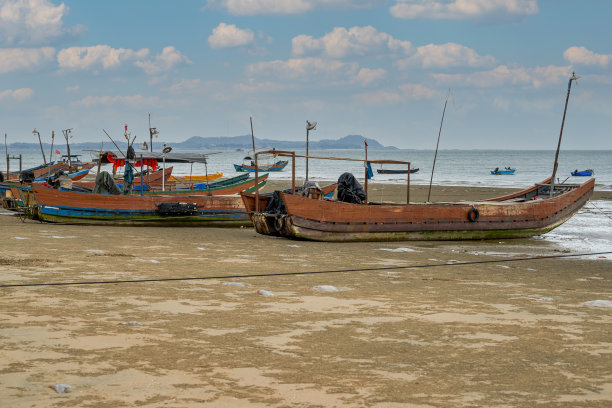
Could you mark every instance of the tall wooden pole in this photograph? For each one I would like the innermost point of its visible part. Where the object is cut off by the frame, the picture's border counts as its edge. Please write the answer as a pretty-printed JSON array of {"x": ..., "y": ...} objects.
[
  {"x": 437, "y": 144},
  {"x": 366, "y": 171},
  {"x": 52, "y": 140},
  {"x": 41, "y": 148},
  {"x": 574, "y": 77}
]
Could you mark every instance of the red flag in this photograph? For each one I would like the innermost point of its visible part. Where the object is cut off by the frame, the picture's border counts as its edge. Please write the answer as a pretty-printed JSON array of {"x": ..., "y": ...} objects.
[
  {"x": 365, "y": 141},
  {"x": 57, "y": 152}
]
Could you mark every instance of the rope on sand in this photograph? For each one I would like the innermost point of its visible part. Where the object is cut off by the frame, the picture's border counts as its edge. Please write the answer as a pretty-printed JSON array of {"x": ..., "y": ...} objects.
[{"x": 262, "y": 275}]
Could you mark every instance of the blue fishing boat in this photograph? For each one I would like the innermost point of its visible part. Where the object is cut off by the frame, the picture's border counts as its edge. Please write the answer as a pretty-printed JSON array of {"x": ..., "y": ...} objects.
[
  {"x": 248, "y": 164},
  {"x": 506, "y": 170},
  {"x": 587, "y": 172}
]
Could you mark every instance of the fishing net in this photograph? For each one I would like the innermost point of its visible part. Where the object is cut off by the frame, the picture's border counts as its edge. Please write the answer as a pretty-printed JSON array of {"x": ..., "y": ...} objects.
[{"x": 349, "y": 189}]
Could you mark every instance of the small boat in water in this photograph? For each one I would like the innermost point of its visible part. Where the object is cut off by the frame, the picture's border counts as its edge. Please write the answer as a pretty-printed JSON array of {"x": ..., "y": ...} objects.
[
  {"x": 506, "y": 170},
  {"x": 396, "y": 171},
  {"x": 587, "y": 172},
  {"x": 248, "y": 164}
]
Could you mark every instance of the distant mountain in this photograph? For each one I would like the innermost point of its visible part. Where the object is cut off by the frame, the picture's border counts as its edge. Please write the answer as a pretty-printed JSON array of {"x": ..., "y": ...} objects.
[
  {"x": 244, "y": 142},
  {"x": 219, "y": 143}
]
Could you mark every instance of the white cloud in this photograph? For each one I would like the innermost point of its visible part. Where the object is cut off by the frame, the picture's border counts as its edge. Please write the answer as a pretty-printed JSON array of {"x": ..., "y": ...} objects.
[
  {"x": 169, "y": 59},
  {"x": 304, "y": 69},
  {"x": 18, "y": 94},
  {"x": 228, "y": 35},
  {"x": 33, "y": 22},
  {"x": 379, "y": 98},
  {"x": 73, "y": 89},
  {"x": 583, "y": 56},
  {"x": 255, "y": 7},
  {"x": 128, "y": 100},
  {"x": 84, "y": 58},
  {"x": 355, "y": 41},
  {"x": 501, "y": 75},
  {"x": 418, "y": 91},
  {"x": 445, "y": 55},
  {"x": 14, "y": 59},
  {"x": 367, "y": 76},
  {"x": 106, "y": 57},
  {"x": 463, "y": 9}
]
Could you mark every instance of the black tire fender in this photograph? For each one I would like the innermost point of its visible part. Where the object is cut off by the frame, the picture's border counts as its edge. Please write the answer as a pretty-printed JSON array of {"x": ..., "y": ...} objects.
[
  {"x": 279, "y": 222},
  {"x": 473, "y": 214}
]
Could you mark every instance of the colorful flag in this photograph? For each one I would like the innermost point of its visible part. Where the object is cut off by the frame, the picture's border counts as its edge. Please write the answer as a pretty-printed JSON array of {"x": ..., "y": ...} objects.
[
  {"x": 366, "y": 142},
  {"x": 57, "y": 152}
]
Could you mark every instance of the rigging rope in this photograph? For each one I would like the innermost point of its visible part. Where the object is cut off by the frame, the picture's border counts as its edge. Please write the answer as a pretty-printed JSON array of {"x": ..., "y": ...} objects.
[{"x": 260, "y": 275}]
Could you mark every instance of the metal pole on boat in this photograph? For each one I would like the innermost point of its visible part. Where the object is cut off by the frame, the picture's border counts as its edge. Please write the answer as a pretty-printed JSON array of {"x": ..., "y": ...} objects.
[
  {"x": 7, "y": 158},
  {"x": 437, "y": 144},
  {"x": 165, "y": 151},
  {"x": 141, "y": 176},
  {"x": 256, "y": 168},
  {"x": 309, "y": 126},
  {"x": 52, "y": 140},
  {"x": 36, "y": 132},
  {"x": 574, "y": 77},
  {"x": 67, "y": 135},
  {"x": 366, "y": 170}
]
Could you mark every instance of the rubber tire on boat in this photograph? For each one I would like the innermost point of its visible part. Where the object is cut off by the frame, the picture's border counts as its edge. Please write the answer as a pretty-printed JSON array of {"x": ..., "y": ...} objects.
[
  {"x": 473, "y": 214},
  {"x": 279, "y": 222}
]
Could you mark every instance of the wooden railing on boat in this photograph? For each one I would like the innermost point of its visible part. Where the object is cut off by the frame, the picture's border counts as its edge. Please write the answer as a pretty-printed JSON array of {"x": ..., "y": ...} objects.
[{"x": 286, "y": 153}]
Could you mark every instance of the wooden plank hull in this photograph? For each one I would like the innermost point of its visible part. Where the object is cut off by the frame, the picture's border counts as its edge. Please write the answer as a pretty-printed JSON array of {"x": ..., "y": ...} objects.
[
  {"x": 244, "y": 185},
  {"x": 85, "y": 208},
  {"x": 278, "y": 166},
  {"x": 322, "y": 220}
]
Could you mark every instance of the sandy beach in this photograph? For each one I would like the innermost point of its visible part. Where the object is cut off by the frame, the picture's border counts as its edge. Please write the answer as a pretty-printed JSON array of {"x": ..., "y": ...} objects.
[{"x": 185, "y": 317}]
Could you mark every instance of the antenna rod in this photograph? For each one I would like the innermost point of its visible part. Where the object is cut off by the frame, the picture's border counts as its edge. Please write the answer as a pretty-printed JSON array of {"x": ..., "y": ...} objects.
[
  {"x": 437, "y": 144},
  {"x": 114, "y": 143},
  {"x": 252, "y": 134},
  {"x": 574, "y": 77}
]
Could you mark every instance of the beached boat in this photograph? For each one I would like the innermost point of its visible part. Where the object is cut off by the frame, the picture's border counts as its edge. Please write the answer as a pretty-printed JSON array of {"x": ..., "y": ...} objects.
[
  {"x": 505, "y": 171},
  {"x": 70, "y": 207},
  {"x": 154, "y": 178},
  {"x": 529, "y": 212},
  {"x": 36, "y": 172},
  {"x": 587, "y": 172},
  {"x": 196, "y": 177},
  {"x": 223, "y": 187},
  {"x": 396, "y": 171}
]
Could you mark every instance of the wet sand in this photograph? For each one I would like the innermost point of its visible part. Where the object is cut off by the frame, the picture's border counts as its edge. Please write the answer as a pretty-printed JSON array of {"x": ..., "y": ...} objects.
[{"x": 409, "y": 325}]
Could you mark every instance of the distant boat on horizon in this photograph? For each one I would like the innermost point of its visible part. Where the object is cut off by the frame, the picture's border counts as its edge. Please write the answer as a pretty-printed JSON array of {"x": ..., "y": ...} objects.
[{"x": 505, "y": 171}]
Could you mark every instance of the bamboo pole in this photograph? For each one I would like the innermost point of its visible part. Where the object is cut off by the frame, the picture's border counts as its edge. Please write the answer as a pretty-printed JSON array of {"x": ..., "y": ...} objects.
[
  {"x": 574, "y": 77},
  {"x": 437, "y": 144}
]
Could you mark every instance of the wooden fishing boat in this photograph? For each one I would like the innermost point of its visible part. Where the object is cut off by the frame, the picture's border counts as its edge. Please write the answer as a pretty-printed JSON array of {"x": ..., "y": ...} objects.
[
  {"x": 529, "y": 212},
  {"x": 505, "y": 171},
  {"x": 587, "y": 172},
  {"x": 271, "y": 222},
  {"x": 152, "y": 179},
  {"x": 70, "y": 207},
  {"x": 39, "y": 171},
  {"x": 396, "y": 171},
  {"x": 74, "y": 176},
  {"x": 198, "y": 177},
  {"x": 219, "y": 188},
  {"x": 248, "y": 164}
]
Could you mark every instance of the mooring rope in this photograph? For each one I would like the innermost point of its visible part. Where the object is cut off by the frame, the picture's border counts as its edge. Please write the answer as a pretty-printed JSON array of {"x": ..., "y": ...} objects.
[{"x": 261, "y": 275}]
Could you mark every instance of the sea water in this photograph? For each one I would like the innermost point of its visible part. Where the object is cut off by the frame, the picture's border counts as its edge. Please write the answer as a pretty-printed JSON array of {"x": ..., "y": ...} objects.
[{"x": 588, "y": 231}]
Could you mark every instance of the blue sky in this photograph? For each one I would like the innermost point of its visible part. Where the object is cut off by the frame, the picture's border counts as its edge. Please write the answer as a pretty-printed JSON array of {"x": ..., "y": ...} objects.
[{"x": 381, "y": 69}]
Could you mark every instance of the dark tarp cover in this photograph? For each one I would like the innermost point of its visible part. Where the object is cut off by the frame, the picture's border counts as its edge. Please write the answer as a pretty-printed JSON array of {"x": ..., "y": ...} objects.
[
  {"x": 349, "y": 189},
  {"x": 105, "y": 184}
]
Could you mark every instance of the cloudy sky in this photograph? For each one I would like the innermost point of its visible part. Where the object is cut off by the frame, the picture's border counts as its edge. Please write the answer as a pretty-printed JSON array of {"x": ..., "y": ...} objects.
[{"x": 378, "y": 68}]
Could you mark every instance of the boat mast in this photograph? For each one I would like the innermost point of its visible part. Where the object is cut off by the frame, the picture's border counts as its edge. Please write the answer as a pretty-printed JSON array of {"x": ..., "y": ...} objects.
[
  {"x": 67, "y": 135},
  {"x": 36, "y": 132},
  {"x": 309, "y": 126},
  {"x": 437, "y": 144},
  {"x": 574, "y": 77}
]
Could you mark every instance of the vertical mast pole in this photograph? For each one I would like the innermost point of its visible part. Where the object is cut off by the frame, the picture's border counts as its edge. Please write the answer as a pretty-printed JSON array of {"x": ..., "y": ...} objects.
[
  {"x": 437, "y": 144},
  {"x": 574, "y": 77}
]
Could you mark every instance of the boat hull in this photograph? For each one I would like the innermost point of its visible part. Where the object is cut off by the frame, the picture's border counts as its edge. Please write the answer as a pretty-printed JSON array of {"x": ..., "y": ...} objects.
[
  {"x": 70, "y": 207},
  {"x": 389, "y": 171},
  {"x": 278, "y": 166},
  {"x": 321, "y": 220}
]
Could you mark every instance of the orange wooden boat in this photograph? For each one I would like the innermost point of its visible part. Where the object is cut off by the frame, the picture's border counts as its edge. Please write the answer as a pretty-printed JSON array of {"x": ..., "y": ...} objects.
[
  {"x": 197, "y": 177},
  {"x": 69, "y": 207},
  {"x": 529, "y": 212},
  {"x": 154, "y": 178}
]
